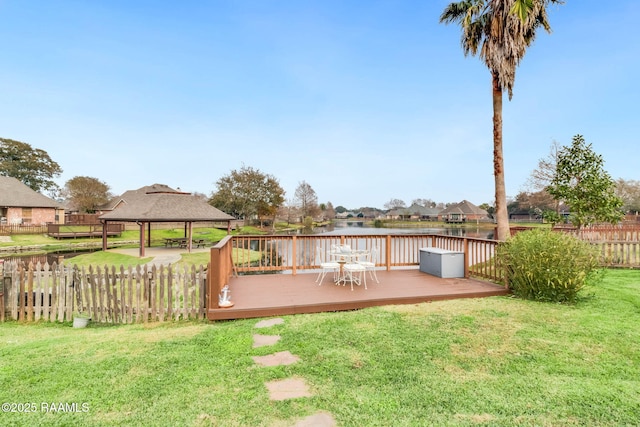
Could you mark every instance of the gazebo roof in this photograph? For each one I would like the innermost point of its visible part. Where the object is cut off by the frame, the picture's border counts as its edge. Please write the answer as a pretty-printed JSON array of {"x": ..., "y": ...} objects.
[{"x": 166, "y": 207}]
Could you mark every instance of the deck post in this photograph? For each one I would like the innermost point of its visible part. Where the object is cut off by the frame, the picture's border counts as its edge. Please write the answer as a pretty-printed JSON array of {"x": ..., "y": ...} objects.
[
  {"x": 104, "y": 235},
  {"x": 387, "y": 254},
  {"x": 465, "y": 245},
  {"x": 294, "y": 251}
]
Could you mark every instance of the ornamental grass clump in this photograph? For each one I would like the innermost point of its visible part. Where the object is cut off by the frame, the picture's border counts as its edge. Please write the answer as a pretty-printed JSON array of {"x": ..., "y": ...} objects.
[{"x": 545, "y": 265}]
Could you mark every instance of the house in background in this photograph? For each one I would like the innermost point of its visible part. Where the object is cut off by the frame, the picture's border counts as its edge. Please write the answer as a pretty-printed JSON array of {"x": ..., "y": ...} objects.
[
  {"x": 464, "y": 211},
  {"x": 19, "y": 204},
  {"x": 417, "y": 212}
]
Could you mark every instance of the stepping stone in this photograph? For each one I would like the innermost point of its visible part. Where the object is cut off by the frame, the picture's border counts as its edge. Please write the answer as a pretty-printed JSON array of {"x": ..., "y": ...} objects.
[
  {"x": 276, "y": 359},
  {"x": 321, "y": 419},
  {"x": 290, "y": 388},
  {"x": 262, "y": 340},
  {"x": 269, "y": 322}
]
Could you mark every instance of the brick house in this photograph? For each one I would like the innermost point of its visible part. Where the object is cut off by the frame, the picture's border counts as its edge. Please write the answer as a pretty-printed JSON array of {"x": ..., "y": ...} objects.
[
  {"x": 19, "y": 204},
  {"x": 464, "y": 211}
]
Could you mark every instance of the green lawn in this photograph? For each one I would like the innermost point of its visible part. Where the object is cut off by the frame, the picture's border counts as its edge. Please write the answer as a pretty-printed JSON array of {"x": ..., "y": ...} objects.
[
  {"x": 480, "y": 362},
  {"x": 157, "y": 238}
]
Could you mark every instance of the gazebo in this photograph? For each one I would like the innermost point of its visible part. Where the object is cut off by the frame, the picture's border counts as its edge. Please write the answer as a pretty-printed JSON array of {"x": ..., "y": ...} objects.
[{"x": 164, "y": 207}]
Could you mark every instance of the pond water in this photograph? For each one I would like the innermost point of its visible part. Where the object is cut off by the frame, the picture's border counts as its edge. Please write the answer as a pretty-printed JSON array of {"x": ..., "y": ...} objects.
[
  {"x": 48, "y": 258},
  {"x": 355, "y": 228},
  {"x": 349, "y": 228}
]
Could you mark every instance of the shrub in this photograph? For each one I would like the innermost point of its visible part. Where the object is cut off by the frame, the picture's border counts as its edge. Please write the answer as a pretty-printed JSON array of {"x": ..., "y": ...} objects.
[{"x": 545, "y": 265}]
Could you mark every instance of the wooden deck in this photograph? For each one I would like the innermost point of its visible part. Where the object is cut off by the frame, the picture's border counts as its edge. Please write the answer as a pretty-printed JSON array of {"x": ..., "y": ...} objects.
[{"x": 284, "y": 294}]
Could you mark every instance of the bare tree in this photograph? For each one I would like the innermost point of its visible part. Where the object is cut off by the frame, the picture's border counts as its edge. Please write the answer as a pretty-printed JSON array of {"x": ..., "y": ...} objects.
[
  {"x": 542, "y": 176},
  {"x": 629, "y": 192},
  {"x": 427, "y": 203},
  {"x": 395, "y": 204},
  {"x": 307, "y": 200},
  {"x": 289, "y": 211},
  {"x": 328, "y": 212}
]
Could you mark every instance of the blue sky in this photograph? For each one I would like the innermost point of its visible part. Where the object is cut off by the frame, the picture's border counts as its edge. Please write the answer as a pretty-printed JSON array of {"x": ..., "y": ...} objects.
[{"x": 364, "y": 100}]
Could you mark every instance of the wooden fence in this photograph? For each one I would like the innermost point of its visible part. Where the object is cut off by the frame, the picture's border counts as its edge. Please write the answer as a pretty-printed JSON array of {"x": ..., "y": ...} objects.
[
  {"x": 9, "y": 229},
  {"x": 108, "y": 295},
  {"x": 605, "y": 233},
  {"x": 144, "y": 294}
]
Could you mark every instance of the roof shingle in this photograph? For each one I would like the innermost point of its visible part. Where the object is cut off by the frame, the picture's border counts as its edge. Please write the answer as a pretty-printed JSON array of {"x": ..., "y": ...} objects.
[
  {"x": 166, "y": 207},
  {"x": 15, "y": 194}
]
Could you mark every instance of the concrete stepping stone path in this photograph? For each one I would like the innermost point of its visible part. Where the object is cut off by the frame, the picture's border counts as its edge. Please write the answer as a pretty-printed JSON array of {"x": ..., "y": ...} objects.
[
  {"x": 321, "y": 419},
  {"x": 276, "y": 359},
  {"x": 264, "y": 340},
  {"x": 288, "y": 388},
  {"x": 269, "y": 322}
]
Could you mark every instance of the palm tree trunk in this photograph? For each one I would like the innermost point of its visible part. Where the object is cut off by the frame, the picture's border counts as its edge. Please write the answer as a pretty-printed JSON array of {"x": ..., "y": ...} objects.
[{"x": 502, "y": 216}]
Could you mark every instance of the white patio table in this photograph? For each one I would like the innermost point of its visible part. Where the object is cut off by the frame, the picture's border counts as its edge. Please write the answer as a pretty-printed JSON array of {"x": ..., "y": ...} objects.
[{"x": 348, "y": 257}]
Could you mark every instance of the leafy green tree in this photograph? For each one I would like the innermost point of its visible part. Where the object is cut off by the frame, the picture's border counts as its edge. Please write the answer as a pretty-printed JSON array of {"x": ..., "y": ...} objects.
[
  {"x": 86, "y": 193},
  {"x": 32, "y": 166},
  {"x": 490, "y": 209},
  {"x": 500, "y": 31},
  {"x": 248, "y": 193},
  {"x": 583, "y": 184}
]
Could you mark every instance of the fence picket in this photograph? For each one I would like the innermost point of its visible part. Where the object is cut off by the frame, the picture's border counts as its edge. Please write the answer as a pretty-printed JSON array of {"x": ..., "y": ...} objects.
[
  {"x": 142, "y": 294},
  {"x": 169, "y": 292},
  {"x": 152, "y": 292}
]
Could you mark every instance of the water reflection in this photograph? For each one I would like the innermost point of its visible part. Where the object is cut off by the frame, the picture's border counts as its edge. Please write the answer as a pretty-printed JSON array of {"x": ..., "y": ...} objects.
[{"x": 356, "y": 228}]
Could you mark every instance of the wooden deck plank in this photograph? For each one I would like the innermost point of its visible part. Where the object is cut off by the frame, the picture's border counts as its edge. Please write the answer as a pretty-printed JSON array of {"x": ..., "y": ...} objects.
[{"x": 284, "y": 294}]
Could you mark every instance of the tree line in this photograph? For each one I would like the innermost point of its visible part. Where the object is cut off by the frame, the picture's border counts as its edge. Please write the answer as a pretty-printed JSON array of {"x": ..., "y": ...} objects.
[{"x": 570, "y": 178}]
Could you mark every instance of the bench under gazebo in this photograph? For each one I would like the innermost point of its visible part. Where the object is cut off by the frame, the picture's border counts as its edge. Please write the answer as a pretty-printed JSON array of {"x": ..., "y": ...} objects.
[{"x": 164, "y": 207}]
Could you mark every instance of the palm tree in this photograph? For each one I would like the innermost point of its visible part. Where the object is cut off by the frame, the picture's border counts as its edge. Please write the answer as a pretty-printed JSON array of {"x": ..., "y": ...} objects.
[{"x": 501, "y": 31}]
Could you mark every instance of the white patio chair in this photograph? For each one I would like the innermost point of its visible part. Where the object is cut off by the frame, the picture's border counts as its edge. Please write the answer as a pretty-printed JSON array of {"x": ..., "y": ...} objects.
[
  {"x": 355, "y": 273},
  {"x": 327, "y": 267},
  {"x": 369, "y": 263}
]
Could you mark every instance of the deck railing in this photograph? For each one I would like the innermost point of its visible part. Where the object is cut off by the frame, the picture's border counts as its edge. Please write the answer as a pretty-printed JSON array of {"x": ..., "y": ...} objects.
[{"x": 291, "y": 254}]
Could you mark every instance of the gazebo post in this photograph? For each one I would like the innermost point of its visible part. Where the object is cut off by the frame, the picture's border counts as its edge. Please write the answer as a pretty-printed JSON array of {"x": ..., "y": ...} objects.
[
  {"x": 104, "y": 235},
  {"x": 141, "y": 239},
  {"x": 165, "y": 206}
]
